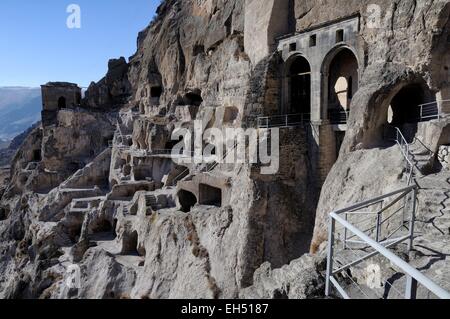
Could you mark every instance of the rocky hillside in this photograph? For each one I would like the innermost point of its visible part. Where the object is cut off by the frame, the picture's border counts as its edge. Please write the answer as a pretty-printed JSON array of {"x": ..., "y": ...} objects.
[{"x": 95, "y": 194}]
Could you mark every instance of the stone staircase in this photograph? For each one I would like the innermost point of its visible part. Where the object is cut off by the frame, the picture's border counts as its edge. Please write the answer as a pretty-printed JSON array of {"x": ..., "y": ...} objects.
[
  {"x": 437, "y": 194},
  {"x": 443, "y": 222}
]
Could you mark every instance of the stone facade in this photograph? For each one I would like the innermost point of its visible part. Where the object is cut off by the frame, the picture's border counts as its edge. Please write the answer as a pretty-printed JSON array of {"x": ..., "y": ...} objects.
[{"x": 57, "y": 96}]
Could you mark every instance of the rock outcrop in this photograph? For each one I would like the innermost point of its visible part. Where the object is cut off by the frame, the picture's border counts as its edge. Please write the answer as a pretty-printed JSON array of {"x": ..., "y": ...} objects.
[{"x": 97, "y": 206}]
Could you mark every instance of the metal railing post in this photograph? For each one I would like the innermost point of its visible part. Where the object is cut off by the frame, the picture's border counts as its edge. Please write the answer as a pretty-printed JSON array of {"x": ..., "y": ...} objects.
[
  {"x": 345, "y": 233},
  {"x": 331, "y": 231},
  {"x": 412, "y": 221},
  {"x": 411, "y": 288},
  {"x": 378, "y": 233}
]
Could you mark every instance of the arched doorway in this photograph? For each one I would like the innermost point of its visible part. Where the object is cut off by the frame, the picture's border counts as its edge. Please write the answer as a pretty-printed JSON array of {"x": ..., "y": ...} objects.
[
  {"x": 342, "y": 84},
  {"x": 299, "y": 76},
  {"x": 61, "y": 103}
]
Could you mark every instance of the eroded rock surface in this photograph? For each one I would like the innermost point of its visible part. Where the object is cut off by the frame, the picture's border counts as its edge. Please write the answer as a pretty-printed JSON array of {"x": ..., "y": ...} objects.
[{"x": 96, "y": 187}]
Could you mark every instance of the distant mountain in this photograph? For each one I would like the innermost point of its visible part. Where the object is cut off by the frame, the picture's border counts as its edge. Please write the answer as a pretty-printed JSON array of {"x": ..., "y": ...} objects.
[
  {"x": 19, "y": 109},
  {"x": 7, "y": 153}
]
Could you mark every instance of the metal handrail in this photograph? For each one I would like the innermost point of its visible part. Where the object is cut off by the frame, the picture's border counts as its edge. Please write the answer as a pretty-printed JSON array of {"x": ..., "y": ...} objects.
[
  {"x": 429, "y": 112},
  {"x": 435, "y": 102},
  {"x": 223, "y": 159},
  {"x": 264, "y": 121},
  {"x": 379, "y": 214},
  {"x": 432, "y": 110},
  {"x": 179, "y": 177},
  {"x": 432, "y": 154},
  {"x": 375, "y": 200},
  {"x": 204, "y": 169},
  {"x": 404, "y": 147},
  {"x": 426, "y": 147},
  {"x": 338, "y": 116},
  {"x": 413, "y": 275}
]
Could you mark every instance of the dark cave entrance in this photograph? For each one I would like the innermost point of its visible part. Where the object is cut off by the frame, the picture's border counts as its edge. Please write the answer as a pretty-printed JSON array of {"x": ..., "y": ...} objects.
[
  {"x": 114, "y": 228},
  {"x": 156, "y": 92},
  {"x": 406, "y": 111},
  {"x": 130, "y": 244},
  {"x": 193, "y": 98},
  {"x": 172, "y": 143},
  {"x": 4, "y": 213},
  {"x": 103, "y": 226},
  {"x": 187, "y": 200},
  {"x": 37, "y": 155},
  {"x": 210, "y": 195}
]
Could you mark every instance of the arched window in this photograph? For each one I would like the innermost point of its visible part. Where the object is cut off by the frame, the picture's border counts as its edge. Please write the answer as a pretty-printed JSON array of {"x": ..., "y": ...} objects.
[
  {"x": 341, "y": 90},
  {"x": 342, "y": 70}
]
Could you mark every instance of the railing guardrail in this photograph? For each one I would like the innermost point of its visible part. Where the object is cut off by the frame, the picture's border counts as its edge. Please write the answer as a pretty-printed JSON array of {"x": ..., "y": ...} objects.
[
  {"x": 405, "y": 149},
  {"x": 379, "y": 246},
  {"x": 286, "y": 120},
  {"x": 338, "y": 116}
]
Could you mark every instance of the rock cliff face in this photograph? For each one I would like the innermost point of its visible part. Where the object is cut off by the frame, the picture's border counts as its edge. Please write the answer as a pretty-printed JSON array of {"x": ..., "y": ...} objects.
[
  {"x": 409, "y": 49},
  {"x": 96, "y": 197}
]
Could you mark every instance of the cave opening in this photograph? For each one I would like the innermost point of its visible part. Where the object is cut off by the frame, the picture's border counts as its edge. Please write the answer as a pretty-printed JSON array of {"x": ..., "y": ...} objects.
[
  {"x": 130, "y": 244},
  {"x": 193, "y": 98},
  {"x": 210, "y": 196},
  {"x": 230, "y": 115},
  {"x": 156, "y": 92},
  {"x": 74, "y": 231},
  {"x": 406, "y": 111},
  {"x": 102, "y": 226},
  {"x": 172, "y": 143},
  {"x": 4, "y": 213},
  {"x": 187, "y": 200},
  {"x": 37, "y": 155},
  {"x": 114, "y": 227},
  {"x": 142, "y": 173}
]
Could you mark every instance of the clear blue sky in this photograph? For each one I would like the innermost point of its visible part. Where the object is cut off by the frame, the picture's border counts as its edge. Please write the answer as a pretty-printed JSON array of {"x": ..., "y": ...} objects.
[{"x": 36, "y": 46}]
